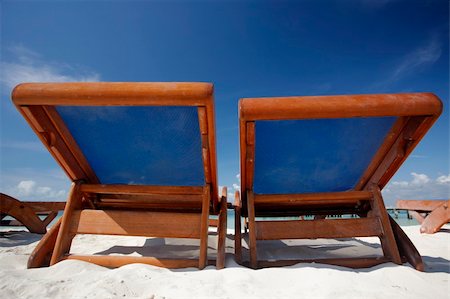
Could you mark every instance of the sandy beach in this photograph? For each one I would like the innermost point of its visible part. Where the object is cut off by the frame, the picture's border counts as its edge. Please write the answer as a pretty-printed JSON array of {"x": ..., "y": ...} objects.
[{"x": 76, "y": 279}]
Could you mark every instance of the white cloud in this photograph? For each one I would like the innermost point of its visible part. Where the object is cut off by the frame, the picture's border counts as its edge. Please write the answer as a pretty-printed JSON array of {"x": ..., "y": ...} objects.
[
  {"x": 443, "y": 179},
  {"x": 421, "y": 186},
  {"x": 238, "y": 176},
  {"x": 419, "y": 179},
  {"x": 28, "y": 66},
  {"x": 418, "y": 59},
  {"x": 25, "y": 187},
  {"x": 34, "y": 184},
  {"x": 236, "y": 186},
  {"x": 29, "y": 189},
  {"x": 412, "y": 62}
]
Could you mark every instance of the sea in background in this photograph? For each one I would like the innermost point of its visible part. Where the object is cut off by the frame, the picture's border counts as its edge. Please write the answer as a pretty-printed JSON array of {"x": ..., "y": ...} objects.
[{"x": 400, "y": 216}]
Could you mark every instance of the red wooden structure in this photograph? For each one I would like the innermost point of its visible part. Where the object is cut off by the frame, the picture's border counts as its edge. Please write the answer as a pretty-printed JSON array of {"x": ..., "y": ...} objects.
[
  {"x": 111, "y": 209},
  {"x": 415, "y": 113}
]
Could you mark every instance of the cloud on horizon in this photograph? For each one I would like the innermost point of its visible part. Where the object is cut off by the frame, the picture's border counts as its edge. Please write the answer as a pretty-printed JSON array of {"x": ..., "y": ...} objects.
[{"x": 420, "y": 186}]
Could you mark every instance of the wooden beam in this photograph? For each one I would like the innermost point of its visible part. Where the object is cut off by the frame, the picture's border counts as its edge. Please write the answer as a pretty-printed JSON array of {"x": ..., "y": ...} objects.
[
  {"x": 222, "y": 230},
  {"x": 140, "y": 189},
  {"x": 387, "y": 239},
  {"x": 45, "y": 206},
  {"x": 65, "y": 135},
  {"x": 203, "y": 228},
  {"x": 250, "y": 155},
  {"x": 313, "y": 229},
  {"x": 113, "y": 93},
  {"x": 23, "y": 213},
  {"x": 420, "y": 205},
  {"x": 136, "y": 223},
  {"x": 252, "y": 230},
  {"x": 382, "y": 151},
  {"x": 341, "y": 197},
  {"x": 64, "y": 238},
  {"x": 406, "y": 247},
  {"x": 343, "y": 106},
  {"x": 237, "y": 228},
  {"x": 114, "y": 261},
  {"x": 42, "y": 253}
]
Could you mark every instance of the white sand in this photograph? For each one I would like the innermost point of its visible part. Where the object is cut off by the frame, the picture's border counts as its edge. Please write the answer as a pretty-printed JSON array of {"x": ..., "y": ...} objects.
[{"x": 76, "y": 279}]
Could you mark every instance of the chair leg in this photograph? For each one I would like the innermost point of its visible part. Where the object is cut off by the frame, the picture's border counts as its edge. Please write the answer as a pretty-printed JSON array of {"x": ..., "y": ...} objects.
[
  {"x": 203, "y": 259},
  {"x": 237, "y": 229},
  {"x": 222, "y": 229},
  {"x": 406, "y": 247},
  {"x": 42, "y": 253},
  {"x": 252, "y": 230},
  {"x": 388, "y": 242},
  {"x": 64, "y": 238}
]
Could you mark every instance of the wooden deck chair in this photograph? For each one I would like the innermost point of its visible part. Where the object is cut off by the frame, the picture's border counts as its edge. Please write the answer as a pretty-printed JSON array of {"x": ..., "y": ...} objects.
[
  {"x": 431, "y": 214},
  {"x": 27, "y": 213},
  {"x": 142, "y": 159},
  {"x": 327, "y": 155}
]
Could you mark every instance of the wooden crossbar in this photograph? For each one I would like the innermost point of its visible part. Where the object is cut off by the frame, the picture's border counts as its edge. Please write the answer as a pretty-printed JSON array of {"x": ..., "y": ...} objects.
[
  {"x": 140, "y": 189},
  {"x": 419, "y": 205},
  {"x": 136, "y": 223},
  {"x": 112, "y": 261},
  {"x": 324, "y": 228},
  {"x": 341, "y": 197}
]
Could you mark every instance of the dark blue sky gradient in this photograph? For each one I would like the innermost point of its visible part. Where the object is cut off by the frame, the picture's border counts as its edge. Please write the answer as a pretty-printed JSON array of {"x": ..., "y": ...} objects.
[{"x": 247, "y": 49}]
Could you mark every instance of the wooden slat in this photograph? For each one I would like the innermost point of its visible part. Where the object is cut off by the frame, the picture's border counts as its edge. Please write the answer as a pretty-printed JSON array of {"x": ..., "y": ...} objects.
[
  {"x": 114, "y": 261},
  {"x": 243, "y": 159},
  {"x": 66, "y": 136},
  {"x": 342, "y": 197},
  {"x": 306, "y": 229},
  {"x": 136, "y": 223},
  {"x": 250, "y": 155},
  {"x": 419, "y": 205},
  {"x": 343, "y": 106},
  {"x": 388, "y": 142},
  {"x": 50, "y": 137},
  {"x": 45, "y": 206},
  {"x": 113, "y": 93},
  {"x": 192, "y": 199},
  {"x": 212, "y": 154},
  {"x": 166, "y": 206},
  {"x": 140, "y": 189}
]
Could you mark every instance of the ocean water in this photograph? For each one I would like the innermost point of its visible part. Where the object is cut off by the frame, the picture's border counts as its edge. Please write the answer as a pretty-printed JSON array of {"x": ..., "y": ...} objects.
[{"x": 400, "y": 216}]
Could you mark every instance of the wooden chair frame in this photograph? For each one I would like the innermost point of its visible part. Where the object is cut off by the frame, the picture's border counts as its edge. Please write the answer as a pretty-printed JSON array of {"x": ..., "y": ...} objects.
[
  {"x": 27, "y": 213},
  {"x": 431, "y": 214},
  {"x": 92, "y": 208},
  {"x": 416, "y": 113}
]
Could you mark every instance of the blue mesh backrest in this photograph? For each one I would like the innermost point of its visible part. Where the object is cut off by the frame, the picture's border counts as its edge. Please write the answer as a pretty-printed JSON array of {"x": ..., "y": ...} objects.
[
  {"x": 139, "y": 145},
  {"x": 318, "y": 155}
]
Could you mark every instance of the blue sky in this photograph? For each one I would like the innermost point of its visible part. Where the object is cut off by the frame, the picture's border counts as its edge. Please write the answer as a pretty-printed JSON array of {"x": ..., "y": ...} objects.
[{"x": 246, "y": 48}]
